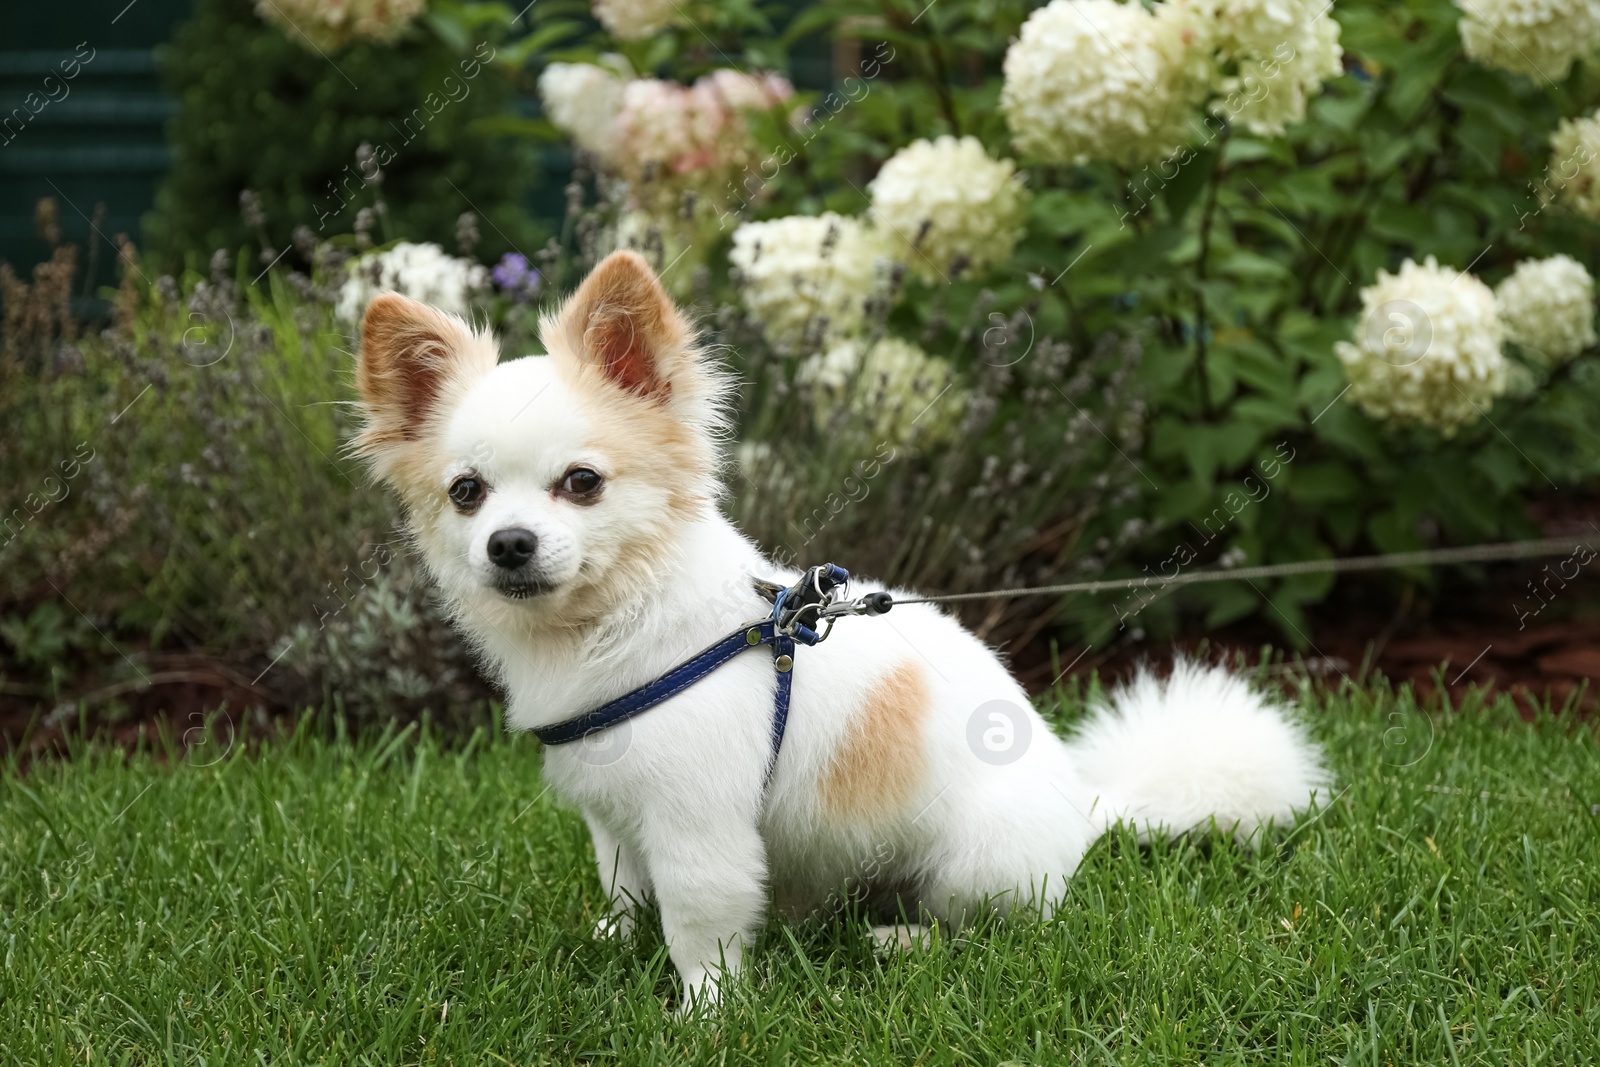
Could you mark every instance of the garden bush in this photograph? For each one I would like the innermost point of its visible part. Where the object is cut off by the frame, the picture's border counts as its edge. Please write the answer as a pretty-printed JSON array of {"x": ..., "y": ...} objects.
[{"x": 1035, "y": 294}]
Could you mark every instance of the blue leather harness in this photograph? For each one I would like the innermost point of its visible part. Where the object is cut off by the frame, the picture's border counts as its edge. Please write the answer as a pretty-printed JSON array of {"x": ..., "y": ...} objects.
[{"x": 811, "y": 599}]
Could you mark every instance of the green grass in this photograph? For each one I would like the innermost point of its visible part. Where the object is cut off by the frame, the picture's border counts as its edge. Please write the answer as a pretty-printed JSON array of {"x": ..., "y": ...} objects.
[{"x": 398, "y": 901}]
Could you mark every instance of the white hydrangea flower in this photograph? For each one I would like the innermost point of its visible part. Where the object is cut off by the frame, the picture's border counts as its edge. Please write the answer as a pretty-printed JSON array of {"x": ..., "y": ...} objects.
[
  {"x": 1539, "y": 38},
  {"x": 949, "y": 206},
  {"x": 583, "y": 100},
  {"x": 421, "y": 271},
  {"x": 665, "y": 140},
  {"x": 1547, "y": 306},
  {"x": 1427, "y": 348},
  {"x": 1100, "y": 80},
  {"x": 633, "y": 20},
  {"x": 1281, "y": 52},
  {"x": 329, "y": 25},
  {"x": 1574, "y": 172},
  {"x": 895, "y": 393},
  {"x": 809, "y": 278}
]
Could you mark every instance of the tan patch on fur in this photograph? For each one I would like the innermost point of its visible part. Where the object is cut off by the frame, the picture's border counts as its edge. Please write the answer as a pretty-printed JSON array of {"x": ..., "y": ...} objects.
[
  {"x": 622, "y": 342},
  {"x": 880, "y": 762},
  {"x": 648, "y": 446}
]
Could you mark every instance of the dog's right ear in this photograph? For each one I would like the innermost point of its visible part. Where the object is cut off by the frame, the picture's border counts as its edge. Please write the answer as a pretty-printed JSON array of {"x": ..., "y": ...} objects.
[{"x": 415, "y": 361}]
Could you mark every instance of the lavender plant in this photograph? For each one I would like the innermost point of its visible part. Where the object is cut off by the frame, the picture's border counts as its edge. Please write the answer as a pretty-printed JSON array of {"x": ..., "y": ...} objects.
[{"x": 209, "y": 510}]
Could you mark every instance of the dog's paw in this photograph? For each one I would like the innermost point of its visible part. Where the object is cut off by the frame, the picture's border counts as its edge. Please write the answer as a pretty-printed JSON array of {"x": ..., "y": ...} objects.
[
  {"x": 701, "y": 992},
  {"x": 890, "y": 940},
  {"x": 620, "y": 925}
]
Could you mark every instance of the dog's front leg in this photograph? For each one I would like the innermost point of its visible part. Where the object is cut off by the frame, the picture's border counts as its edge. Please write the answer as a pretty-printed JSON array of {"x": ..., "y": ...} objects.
[
  {"x": 621, "y": 877},
  {"x": 710, "y": 882}
]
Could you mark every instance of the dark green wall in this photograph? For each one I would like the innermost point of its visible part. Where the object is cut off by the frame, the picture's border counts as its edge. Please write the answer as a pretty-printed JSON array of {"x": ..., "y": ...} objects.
[{"x": 99, "y": 145}]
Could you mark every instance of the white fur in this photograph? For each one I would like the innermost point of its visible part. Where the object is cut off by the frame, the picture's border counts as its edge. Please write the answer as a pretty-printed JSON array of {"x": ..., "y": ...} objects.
[
  {"x": 1175, "y": 755},
  {"x": 677, "y": 800}
]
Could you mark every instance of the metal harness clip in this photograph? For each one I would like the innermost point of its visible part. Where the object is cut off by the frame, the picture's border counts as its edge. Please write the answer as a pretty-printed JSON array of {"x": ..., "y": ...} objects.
[{"x": 799, "y": 609}]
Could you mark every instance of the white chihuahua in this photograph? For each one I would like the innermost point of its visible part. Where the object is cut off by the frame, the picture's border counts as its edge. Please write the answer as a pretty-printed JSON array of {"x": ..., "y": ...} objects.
[{"x": 567, "y": 506}]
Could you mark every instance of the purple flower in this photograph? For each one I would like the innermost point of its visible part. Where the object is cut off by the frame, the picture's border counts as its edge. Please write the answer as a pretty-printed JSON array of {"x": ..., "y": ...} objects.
[{"x": 513, "y": 276}]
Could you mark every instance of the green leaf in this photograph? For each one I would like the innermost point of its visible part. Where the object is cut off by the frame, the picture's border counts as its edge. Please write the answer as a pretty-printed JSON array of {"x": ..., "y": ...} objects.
[
  {"x": 1325, "y": 483},
  {"x": 518, "y": 53},
  {"x": 1246, "y": 150},
  {"x": 1229, "y": 602},
  {"x": 1395, "y": 528},
  {"x": 1191, "y": 180},
  {"x": 515, "y": 126}
]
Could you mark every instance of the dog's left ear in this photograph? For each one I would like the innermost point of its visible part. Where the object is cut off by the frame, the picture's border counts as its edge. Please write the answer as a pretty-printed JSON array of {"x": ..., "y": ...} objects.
[{"x": 621, "y": 328}]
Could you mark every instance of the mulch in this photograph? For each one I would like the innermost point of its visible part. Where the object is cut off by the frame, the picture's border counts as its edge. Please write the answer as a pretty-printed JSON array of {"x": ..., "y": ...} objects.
[
  {"x": 1465, "y": 635},
  {"x": 1553, "y": 666}
]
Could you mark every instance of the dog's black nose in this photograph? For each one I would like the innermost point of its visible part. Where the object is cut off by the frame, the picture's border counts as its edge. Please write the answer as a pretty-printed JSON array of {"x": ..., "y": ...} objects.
[{"x": 511, "y": 548}]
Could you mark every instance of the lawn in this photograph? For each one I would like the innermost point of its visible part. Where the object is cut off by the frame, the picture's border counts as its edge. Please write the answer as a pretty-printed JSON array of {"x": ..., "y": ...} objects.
[{"x": 397, "y": 899}]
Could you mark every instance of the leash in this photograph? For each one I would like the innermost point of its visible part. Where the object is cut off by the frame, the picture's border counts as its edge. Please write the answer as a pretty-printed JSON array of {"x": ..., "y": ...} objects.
[
  {"x": 1554, "y": 546},
  {"x": 818, "y": 599}
]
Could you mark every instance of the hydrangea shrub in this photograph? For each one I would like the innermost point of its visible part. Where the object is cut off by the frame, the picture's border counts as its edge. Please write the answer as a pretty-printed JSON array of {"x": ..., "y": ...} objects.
[{"x": 1352, "y": 238}]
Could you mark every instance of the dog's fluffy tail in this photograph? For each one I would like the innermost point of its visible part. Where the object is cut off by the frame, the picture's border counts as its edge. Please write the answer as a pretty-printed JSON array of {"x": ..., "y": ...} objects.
[{"x": 1175, "y": 754}]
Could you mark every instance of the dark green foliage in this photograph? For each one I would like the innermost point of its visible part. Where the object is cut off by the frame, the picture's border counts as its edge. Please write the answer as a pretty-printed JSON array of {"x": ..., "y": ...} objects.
[{"x": 259, "y": 111}]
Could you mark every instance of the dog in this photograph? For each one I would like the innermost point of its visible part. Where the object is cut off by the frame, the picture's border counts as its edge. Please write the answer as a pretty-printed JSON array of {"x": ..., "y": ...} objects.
[{"x": 566, "y": 505}]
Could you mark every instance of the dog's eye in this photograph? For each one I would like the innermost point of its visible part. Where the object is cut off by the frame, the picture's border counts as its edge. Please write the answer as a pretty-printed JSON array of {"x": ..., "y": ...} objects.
[
  {"x": 466, "y": 492},
  {"x": 581, "y": 482}
]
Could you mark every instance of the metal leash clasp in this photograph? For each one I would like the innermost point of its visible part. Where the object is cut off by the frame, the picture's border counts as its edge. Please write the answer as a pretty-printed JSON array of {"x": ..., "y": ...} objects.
[{"x": 800, "y": 608}]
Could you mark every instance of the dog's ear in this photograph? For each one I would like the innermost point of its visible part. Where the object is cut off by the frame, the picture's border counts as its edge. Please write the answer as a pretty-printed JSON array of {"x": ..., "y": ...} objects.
[
  {"x": 622, "y": 325},
  {"x": 413, "y": 360}
]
